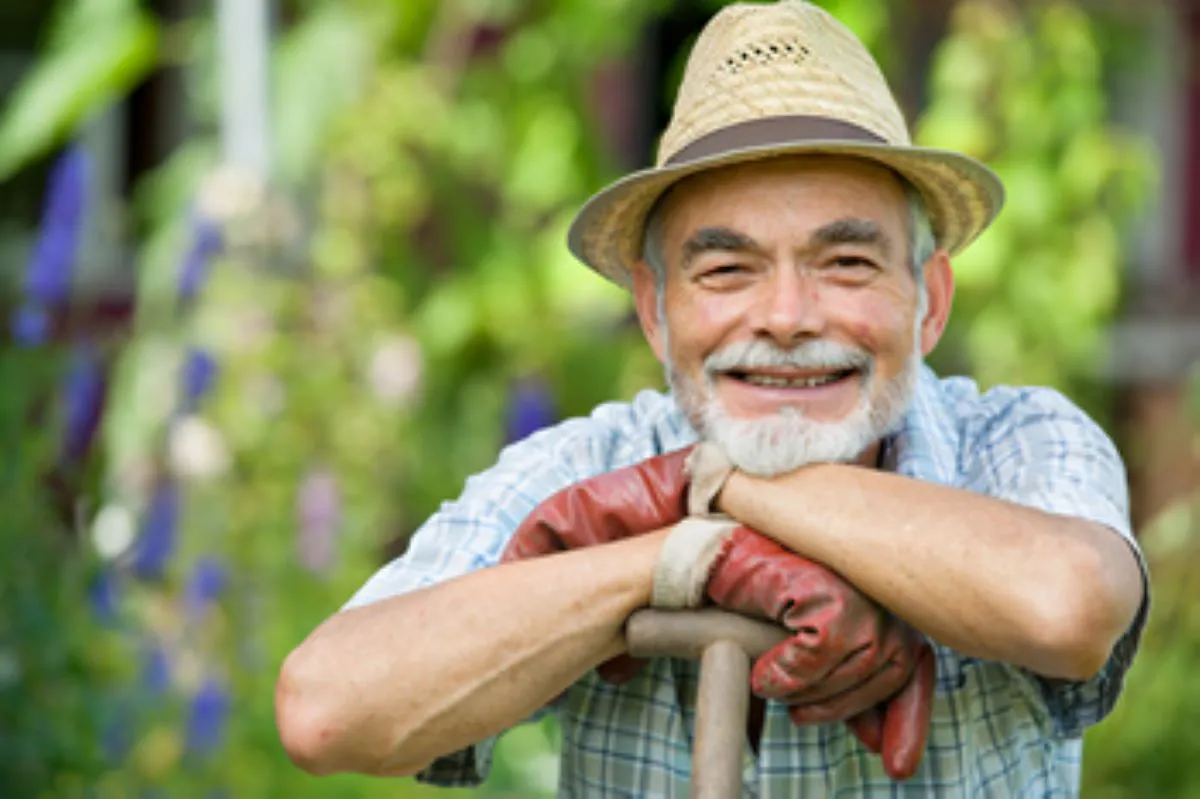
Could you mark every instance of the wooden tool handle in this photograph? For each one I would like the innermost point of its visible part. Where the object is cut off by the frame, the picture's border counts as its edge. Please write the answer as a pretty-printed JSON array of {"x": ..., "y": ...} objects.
[
  {"x": 724, "y": 643},
  {"x": 722, "y": 704},
  {"x": 687, "y": 633}
]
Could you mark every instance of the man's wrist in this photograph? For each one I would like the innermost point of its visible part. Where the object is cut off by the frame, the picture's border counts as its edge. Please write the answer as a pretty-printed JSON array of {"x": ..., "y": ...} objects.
[
  {"x": 761, "y": 502},
  {"x": 730, "y": 499},
  {"x": 641, "y": 552}
]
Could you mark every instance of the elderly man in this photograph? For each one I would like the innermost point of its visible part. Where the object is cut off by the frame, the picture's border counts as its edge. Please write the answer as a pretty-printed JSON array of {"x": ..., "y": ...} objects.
[{"x": 789, "y": 257}]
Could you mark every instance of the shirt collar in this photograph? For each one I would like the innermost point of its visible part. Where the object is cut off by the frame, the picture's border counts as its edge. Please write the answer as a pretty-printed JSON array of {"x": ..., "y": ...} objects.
[{"x": 926, "y": 446}]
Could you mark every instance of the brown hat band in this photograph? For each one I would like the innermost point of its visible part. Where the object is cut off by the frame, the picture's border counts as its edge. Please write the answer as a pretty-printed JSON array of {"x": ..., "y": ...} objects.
[{"x": 772, "y": 131}]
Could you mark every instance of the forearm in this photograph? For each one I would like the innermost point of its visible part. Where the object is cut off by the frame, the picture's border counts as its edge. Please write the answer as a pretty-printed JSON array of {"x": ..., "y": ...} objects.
[
  {"x": 388, "y": 687},
  {"x": 988, "y": 578}
]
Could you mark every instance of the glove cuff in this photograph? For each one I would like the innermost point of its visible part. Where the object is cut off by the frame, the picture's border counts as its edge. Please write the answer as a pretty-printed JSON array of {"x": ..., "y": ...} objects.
[
  {"x": 686, "y": 559},
  {"x": 708, "y": 467}
]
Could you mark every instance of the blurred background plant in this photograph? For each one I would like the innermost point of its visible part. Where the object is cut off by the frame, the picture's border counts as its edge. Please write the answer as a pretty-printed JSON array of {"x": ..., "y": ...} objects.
[{"x": 321, "y": 351}]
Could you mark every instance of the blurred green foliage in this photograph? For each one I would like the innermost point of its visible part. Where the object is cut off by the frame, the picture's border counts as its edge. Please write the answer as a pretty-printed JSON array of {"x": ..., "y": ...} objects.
[
  {"x": 54, "y": 657},
  {"x": 1145, "y": 749},
  {"x": 381, "y": 308},
  {"x": 1025, "y": 93},
  {"x": 98, "y": 50}
]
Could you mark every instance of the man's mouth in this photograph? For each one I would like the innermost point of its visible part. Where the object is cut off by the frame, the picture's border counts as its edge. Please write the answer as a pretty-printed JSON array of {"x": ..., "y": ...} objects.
[{"x": 780, "y": 379}]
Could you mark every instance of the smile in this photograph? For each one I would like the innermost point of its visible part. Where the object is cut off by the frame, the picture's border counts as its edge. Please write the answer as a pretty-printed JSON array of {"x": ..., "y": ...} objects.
[{"x": 779, "y": 380}]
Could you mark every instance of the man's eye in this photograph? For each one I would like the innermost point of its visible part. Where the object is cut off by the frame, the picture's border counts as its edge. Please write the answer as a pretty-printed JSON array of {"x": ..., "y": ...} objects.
[
  {"x": 852, "y": 262},
  {"x": 726, "y": 269}
]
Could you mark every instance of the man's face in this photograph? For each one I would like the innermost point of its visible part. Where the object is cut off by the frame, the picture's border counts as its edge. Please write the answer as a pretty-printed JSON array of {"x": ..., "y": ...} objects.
[{"x": 789, "y": 320}]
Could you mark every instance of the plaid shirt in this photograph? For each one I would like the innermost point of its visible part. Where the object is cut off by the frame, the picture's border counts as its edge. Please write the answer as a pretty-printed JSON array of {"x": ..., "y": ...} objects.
[{"x": 997, "y": 729}]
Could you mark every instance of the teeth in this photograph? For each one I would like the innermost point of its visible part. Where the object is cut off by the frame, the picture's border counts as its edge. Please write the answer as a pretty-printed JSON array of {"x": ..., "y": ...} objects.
[{"x": 781, "y": 382}]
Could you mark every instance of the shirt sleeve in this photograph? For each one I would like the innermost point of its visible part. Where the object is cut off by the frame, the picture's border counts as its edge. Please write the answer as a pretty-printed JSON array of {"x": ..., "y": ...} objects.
[
  {"x": 470, "y": 533},
  {"x": 1043, "y": 452}
]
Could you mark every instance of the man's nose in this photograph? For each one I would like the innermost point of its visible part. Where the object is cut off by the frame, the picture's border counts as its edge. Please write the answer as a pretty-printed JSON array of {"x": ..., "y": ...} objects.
[{"x": 789, "y": 308}]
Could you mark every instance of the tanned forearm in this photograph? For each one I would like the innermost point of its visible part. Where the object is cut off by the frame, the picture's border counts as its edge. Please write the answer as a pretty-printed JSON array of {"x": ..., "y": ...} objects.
[
  {"x": 988, "y": 578},
  {"x": 386, "y": 688}
]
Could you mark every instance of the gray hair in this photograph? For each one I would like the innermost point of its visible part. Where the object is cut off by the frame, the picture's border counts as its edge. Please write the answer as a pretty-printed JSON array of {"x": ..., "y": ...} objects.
[{"x": 921, "y": 243}]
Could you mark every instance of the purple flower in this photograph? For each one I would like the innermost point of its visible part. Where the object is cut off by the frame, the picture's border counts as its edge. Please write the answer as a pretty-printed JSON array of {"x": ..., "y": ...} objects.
[
  {"x": 205, "y": 585},
  {"x": 206, "y": 718},
  {"x": 31, "y": 325},
  {"x": 319, "y": 511},
  {"x": 204, "y": 246},
  {"x": 83, "y": 401},
  {"x": 199, "y": 375},
  {"x": 156, "y": 670},
  {"x": 48, "y": 278},
  {"x": 156, "y": 540},
  {"x": 530, "y": 409}
]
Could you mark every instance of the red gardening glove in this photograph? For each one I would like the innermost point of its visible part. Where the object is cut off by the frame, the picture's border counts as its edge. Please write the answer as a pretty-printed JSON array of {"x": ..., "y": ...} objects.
[
  {"x": 846, "y": 656},
  {"x": 637, "y": 499}
]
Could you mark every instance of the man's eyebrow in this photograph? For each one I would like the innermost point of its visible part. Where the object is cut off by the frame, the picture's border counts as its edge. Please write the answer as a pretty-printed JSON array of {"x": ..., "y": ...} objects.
[
  {"x": 717, "y": 239},
  {"x": 851, "y": 231}
]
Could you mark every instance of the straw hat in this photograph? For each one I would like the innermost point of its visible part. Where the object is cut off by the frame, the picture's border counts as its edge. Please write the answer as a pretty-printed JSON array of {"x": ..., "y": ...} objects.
[{"x": 765, "y": 80}]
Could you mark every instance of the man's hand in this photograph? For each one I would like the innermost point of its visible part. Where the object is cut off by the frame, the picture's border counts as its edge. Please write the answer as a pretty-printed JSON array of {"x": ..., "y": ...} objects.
[
  {"x": 611, "y": 506},
  {"x": 637, "y": 499},
  {"x": 654, "y": 494},
  {"x": 846, "y": 655}
]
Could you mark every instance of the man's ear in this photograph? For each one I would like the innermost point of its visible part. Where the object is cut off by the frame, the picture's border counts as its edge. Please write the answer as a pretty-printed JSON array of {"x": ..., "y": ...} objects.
[
  {"x": 939, "y": 288},
  {"x": 645, "y": 298}
]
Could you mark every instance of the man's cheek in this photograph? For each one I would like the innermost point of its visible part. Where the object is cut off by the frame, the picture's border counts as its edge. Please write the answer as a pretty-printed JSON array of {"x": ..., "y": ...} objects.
[{"x": 880, "y": 330}]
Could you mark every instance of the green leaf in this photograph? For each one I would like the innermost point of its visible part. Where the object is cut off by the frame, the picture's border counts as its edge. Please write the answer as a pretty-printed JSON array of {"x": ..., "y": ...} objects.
[
  {"x": 541, "y": 174},
  {"x": 75, "y": 79},
  {"x": 955, "y": 124},
  {"x": 961, "y": 70},
  {"x": 981, "y": 265}
]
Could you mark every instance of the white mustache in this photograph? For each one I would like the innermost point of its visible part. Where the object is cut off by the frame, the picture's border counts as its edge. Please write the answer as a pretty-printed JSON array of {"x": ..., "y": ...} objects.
[{"x": 819, "y": 354}]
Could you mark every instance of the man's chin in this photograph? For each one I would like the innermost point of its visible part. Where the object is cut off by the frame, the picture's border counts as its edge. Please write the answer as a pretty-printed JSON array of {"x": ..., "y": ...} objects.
[
  {"x": 786, "y": 441},
  {"x": 782, "y": 443}
]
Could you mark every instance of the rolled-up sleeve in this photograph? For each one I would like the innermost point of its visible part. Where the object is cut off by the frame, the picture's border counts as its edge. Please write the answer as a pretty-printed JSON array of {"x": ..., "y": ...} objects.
[{"x": 1041, "y": 451}]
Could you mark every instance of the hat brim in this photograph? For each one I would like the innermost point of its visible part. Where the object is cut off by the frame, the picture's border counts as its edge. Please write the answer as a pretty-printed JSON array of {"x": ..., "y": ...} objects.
[{"x": 962, "y": 196}]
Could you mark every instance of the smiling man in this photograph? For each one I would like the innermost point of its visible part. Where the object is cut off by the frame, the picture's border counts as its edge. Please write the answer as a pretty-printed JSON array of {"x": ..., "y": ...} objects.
[
  {"x": 793, "y": 331},
  {"x": 955, "y": 568}
]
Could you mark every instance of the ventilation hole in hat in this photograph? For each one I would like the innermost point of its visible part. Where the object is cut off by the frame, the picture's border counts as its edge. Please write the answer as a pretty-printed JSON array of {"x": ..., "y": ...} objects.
[{"x": 762, "y": 53}]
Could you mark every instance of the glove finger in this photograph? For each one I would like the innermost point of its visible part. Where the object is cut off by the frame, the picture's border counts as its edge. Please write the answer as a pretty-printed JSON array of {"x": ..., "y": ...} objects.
[
  {"x": 868, "y": 728},
  {"x": 906, "y": 722},
  {"x": 621, "y": 669},
  {"x": 822, "y": 682},
  {"x": 863, "y": 696},
  {"x": 787, "y": 669}
]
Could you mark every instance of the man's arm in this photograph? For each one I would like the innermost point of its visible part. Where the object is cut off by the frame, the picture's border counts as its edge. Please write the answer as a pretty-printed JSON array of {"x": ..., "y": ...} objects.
[
  {"x": 986, "y": 577},
  {"x": 386, "y": 688}
]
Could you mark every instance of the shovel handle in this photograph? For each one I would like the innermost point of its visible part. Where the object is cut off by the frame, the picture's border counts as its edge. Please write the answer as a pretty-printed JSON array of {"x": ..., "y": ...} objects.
[
  {"x": 724, "y": 643},
  {"x": 687, "y": 633},
  {"x": 722, "y": 706}
]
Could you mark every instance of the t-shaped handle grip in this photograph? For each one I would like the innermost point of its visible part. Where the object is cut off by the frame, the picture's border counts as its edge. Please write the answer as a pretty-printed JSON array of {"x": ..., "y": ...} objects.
[
  {"x": 687, "y": 633},
  {"x": 724, "y": 643}
]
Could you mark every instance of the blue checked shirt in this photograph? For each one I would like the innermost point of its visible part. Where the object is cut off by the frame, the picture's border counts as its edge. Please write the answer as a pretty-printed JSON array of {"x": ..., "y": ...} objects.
[{"x": 997, "y": 731}]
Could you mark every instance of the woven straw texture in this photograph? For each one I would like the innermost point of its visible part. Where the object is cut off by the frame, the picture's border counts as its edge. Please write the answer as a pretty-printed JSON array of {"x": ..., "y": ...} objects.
[{"x": 786, "y": 59}]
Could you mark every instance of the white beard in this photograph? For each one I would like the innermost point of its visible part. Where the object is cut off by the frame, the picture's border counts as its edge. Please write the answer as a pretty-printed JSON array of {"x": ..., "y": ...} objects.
[{"x": 786, "y": 441}]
